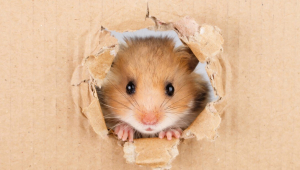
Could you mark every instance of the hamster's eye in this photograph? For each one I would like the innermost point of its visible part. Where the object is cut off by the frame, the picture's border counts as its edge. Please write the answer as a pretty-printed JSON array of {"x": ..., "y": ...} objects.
[
  {"x": 170, "y": 89},
  {"x": 130, "y": 88}
]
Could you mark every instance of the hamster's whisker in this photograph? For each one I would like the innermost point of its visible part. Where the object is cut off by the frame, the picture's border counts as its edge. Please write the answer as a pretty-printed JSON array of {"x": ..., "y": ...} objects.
[
  {"x": 163, "y": 102},
  {"x": 179, "y": 100},
  {"x": 174, "y": 95},
  {"x": 111, "y": 106},
  {"x": 123, "y": 95},
  {"x": 117, "y": 124},
  {"x": 176, "y": 107},
  {"x": 110, "y": 117},
  {"x": 119, "y": 91},
  {"x": 121, "y": 103},
  {"x": 126, "y": 118},
  {"x": 182, "y": 120},
  {"x": 135, "y": 101}
]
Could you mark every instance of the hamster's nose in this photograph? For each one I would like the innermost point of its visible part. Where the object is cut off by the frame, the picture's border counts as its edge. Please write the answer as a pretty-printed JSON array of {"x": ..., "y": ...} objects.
[{"x": 149, "y": 119}]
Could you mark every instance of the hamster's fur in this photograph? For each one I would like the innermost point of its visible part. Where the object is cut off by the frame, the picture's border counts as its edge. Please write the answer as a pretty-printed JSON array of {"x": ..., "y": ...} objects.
[{"x": 151, "y": 64}]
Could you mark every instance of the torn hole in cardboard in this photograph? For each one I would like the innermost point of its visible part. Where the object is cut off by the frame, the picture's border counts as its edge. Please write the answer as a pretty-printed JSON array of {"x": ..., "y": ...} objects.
[{"x": 206, "y": 43}]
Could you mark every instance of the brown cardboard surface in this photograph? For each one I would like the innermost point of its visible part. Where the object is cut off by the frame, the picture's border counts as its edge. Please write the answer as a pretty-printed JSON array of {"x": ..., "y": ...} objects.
[
  {"x": 205, "y": 40},
  {"x": 43, "y": 42},
  {"x": 156, "y": 153}
]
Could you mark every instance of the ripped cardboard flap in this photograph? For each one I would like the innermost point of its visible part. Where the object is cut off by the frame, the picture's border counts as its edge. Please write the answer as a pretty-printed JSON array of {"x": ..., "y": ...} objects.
[
  {"x": 89, "y": 74},
  {"x": 157, "y": 153},
  {"x": 206, "y": 43}
]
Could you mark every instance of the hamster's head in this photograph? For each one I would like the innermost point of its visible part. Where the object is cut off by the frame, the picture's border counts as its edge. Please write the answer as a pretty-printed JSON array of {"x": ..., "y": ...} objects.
[{"x": 151, "y": 86}]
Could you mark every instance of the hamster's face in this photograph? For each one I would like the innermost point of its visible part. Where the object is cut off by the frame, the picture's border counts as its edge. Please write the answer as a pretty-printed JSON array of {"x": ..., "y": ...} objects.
[{"x": 150, "y": 86}]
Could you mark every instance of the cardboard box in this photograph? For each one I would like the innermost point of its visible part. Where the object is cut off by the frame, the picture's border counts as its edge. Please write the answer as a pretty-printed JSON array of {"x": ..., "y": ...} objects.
[
  {"x": 43, "y": 42},
  {"x": 206, "y": 43}
]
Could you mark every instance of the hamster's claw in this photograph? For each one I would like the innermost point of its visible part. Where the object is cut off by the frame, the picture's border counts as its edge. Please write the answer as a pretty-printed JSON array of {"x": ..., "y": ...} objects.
[
  {"x": 124, "y": 132},
  {"x": 169, "y": 133}
]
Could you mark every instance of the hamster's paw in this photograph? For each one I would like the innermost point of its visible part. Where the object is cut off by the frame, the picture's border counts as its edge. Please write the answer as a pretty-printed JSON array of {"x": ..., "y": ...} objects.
[
  {"x": 124, "y": 132},
  {"x": 169, "y": 133}
]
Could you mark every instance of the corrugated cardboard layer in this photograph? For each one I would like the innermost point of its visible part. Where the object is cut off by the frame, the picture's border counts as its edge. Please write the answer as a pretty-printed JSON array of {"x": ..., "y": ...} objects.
[{"x": 42, "y": 42}]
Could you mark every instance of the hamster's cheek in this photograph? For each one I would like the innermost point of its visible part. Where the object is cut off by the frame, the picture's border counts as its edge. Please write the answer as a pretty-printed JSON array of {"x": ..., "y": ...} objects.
[
  {"x": 129, "y": 118},
  {"x": 170, "y": 120},
  {"x": 125, "y": 115}
]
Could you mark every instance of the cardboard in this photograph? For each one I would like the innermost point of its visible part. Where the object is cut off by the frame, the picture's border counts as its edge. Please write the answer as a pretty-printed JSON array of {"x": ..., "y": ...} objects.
[
  {"x": 205, "y": 40},
  {"x": 44, "y": 121},
  {"x": 156, "y": 153}
]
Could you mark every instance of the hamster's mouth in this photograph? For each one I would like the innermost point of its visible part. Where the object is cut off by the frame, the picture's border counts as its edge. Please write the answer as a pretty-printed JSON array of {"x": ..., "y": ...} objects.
[{"x": 149, "y": 129}]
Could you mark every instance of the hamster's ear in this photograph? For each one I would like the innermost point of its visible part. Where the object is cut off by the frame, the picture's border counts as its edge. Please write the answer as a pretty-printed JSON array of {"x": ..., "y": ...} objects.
[{"x": 187, "y": 57}]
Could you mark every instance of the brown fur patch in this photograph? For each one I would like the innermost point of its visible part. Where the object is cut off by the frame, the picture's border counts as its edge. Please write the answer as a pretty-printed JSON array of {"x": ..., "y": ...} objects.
[{"x": 151, "y": 63}]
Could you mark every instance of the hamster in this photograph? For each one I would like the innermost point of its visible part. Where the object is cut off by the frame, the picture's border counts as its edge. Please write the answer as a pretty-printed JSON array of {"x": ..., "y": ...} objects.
[{"x": 152, "y": 90}]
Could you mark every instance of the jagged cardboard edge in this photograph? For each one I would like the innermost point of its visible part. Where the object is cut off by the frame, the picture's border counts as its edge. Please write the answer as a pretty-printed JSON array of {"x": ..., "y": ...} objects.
[
  {"x": 91, "y": 73},
  {"x": 206, "y": 43},
  {"x": 156, "y": 153}
]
